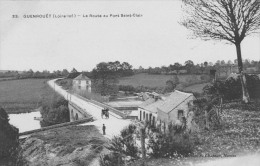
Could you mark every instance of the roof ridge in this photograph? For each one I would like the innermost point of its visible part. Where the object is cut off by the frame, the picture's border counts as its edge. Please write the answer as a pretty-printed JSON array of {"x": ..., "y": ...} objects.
[{"x": 82, "y": 76}]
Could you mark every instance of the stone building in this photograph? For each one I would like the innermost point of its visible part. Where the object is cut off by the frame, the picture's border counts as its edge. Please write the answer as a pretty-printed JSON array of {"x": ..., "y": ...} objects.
[
  {"x": 166, "y": 109},
  {"x": 175, "y": 107},
  {"x": 81, "y": 84}
]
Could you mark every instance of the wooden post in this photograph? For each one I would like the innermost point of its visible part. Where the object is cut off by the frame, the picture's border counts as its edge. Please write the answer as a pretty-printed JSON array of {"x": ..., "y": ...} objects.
[
  {"x": 207, "y": 120},
  {"x": 142, "y": 131},
  {"x": 221, "y": 104}
]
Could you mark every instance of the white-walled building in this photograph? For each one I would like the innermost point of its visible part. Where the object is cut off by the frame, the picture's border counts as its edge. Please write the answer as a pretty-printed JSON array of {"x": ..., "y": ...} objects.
[
  {"x": 165, "y": 109},
  {"x": 175, "y": 107},
  {"x": 81, "y": 84},
  {"x": 148, "y": 110}
]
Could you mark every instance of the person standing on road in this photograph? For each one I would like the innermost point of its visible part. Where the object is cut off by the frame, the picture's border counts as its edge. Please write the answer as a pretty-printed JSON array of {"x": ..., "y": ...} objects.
[{"x": 104, "y": 129}]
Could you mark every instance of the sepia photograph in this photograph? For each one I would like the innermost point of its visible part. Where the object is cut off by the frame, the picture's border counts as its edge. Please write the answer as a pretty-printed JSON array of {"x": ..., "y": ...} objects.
[{"x": 129, "y": 82}]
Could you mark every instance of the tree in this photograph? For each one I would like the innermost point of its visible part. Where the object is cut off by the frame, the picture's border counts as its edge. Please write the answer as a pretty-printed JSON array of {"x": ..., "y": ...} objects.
[
  {"x": 165, "y": 69},
  {"x": 74, "y": 70},
  {"x": 247, "y": 63},
  {"x": 229, "y": 62},
  {"x": 104, "y": 79},
  {"x": 205, "y": 64},
  {"x": 54, "y": 110},
  {"x": 189, "y": 64},
  {"x": 217, "y": 63},
  {"x": 170, "y": 86},
  {"x": 229, "y": 20},
  {"x": 65, "y": 72},
  {"x": 30, "y": 73},
  {"x": 177, "y": 67},
  {"x": 126, "y": 69}
]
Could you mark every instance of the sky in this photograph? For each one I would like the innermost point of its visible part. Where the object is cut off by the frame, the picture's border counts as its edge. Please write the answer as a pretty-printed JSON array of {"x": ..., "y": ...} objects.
[{"x": 155, "y": 38}]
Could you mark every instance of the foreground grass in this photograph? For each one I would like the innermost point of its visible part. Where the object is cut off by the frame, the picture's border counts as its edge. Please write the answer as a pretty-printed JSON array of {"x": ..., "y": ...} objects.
[
  {"x": 74, "y": 145},
  {"x": 19, "y": 96},
  {"x": 240, "y": 134}
]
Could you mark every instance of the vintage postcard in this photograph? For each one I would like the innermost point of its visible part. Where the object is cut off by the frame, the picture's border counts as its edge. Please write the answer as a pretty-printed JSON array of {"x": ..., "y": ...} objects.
[{"x": 131, "y": 82}]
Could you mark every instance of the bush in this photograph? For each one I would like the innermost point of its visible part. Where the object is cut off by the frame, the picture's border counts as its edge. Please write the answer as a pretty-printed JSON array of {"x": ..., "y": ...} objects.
[
  {"x": 122, "y": 147},
  {"x": 54, "y": 111},
  {"x": 231, "y": 88},
  {"x": 8, "y": 135},
  {"x": 171, "y": 85},
  {"x": 171, "y": 144},
  {"x": 65, "y": 83}
]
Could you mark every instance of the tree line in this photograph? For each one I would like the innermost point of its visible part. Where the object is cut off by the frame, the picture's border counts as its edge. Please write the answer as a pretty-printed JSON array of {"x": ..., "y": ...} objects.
[
  {"x": 125, "y": 69},
  {"x": 189, "y": 67},
  {"x": 33, "y": 74}
]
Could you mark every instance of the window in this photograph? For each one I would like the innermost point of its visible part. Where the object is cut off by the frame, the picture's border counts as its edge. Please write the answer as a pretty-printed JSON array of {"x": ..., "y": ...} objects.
[{"x": 180, "y": 114}]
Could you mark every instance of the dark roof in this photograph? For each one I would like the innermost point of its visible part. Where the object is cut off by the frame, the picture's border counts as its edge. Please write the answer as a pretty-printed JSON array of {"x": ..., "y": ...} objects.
[{"x": 81, "y": 77}]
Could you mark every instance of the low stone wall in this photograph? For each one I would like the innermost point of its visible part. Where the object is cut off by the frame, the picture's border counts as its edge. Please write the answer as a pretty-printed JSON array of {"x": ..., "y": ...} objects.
[
  {"x": 115, "y": 111},
  {"x": 57, "y": 126}
]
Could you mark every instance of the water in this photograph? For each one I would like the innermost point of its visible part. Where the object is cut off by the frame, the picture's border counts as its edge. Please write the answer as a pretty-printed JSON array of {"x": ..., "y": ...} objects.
[{"x": 25, "y": 121}]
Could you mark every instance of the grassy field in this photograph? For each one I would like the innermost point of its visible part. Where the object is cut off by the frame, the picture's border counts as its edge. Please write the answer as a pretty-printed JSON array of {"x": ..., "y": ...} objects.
[
  {"x": 198, "y": 88},
  {"x": 18, "y": 96},
  {"x": 149, "y": 80}
]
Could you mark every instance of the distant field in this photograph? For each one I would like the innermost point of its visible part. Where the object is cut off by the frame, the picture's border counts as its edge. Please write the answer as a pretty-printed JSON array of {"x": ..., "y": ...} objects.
[
  {"x": 17, "y": 96},
  {"x": 196, "y": 88},
  {"x": 148, "y": 80}
]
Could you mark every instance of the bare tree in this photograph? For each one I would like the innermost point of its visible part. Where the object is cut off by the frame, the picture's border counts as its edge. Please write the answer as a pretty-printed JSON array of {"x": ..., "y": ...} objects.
[{"x": 230, "y": 20}]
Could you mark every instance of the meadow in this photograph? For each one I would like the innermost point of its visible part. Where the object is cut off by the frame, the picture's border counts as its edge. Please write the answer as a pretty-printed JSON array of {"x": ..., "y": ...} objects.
[
  {"x": 149, "y": 80},
  {"x": 24, "y": 95}
]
